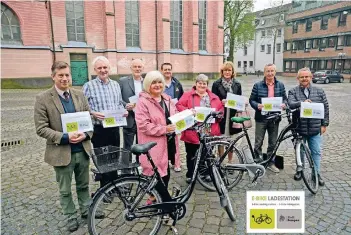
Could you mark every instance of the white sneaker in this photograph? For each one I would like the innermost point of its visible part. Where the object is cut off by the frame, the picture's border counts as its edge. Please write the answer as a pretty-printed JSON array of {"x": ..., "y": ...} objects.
[
  {"x": 273, "y": 168},
  {"x": 177, "y": 169}
]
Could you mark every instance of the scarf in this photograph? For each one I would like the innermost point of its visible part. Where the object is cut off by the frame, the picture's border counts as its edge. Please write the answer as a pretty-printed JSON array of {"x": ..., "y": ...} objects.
[{"x": 227, "y": 84}]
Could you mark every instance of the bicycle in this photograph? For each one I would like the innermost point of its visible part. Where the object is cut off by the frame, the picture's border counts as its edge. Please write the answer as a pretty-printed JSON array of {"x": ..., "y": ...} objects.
[
  {"x": 262, "y": 218},
  {"x": 257, "y": 169},
  {"x": 132, "y": 191}
]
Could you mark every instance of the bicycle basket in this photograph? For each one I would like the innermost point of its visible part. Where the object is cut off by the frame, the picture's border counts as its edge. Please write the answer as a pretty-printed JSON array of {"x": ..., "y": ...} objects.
[{"x": 111, "y": 158}]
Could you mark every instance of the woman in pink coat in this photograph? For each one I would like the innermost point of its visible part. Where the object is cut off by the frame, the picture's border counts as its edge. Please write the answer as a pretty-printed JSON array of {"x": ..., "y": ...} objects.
[
  {"x": 199, "y": 96},
  {"x": 151, "y": 116}
]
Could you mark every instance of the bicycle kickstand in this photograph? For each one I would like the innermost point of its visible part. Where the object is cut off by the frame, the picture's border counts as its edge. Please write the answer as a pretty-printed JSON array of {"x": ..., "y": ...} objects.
[{"x": 254, "y": 181}]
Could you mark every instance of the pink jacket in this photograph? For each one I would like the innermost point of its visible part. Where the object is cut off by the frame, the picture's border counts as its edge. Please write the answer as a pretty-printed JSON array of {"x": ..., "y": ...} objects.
[
  {"x": 151, "y": 122},
  {"x": 186, "y": 102}
]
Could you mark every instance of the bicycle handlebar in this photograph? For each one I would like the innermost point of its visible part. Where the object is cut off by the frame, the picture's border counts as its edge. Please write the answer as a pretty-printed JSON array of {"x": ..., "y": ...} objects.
[
  {"x": 213, "y": 114},
  {"x": 287, "y": 113}
]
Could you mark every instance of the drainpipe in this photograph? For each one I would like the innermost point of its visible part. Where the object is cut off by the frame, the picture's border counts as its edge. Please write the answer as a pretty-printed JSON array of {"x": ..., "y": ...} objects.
[
  {"x": 52, "y": 33},
  {"x": 156, "y": 35}
]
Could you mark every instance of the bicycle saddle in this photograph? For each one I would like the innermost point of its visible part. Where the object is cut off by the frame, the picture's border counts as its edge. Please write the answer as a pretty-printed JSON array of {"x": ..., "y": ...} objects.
[
  {"x": 240, "y": 119},
  {"x": 142, "y": 148}
]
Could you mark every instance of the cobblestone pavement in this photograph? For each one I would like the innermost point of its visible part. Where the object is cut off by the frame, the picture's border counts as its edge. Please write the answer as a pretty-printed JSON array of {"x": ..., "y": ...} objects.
[{"x": 30, "y": 199}]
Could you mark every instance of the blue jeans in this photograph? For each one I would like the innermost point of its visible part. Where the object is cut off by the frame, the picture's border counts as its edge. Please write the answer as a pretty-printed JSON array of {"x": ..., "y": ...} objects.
[{"x": 315, "y": 146}]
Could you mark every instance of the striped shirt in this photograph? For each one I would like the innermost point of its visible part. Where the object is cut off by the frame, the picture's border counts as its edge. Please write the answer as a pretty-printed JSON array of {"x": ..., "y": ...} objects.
[{"x": 102, "y": 96}]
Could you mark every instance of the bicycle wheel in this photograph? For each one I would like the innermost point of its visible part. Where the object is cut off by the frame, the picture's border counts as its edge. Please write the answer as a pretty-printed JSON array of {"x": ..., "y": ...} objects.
[
  {"x": 309, "y": 172},
  {"x": 230, "y": 177},
  {"x": 223, "y": 193},
  {"x": 268, "y": 220},
  {"x": 114, "y": 201}
]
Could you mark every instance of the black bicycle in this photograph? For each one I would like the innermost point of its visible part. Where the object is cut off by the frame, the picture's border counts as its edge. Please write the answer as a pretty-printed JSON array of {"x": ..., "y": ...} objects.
[
  {"x": 134, "y": 204},
  {"x": 256, "y": 170}
]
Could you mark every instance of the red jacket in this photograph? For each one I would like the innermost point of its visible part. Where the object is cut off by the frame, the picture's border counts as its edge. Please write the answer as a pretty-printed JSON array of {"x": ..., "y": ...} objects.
[{"x": 186, "y": 102}]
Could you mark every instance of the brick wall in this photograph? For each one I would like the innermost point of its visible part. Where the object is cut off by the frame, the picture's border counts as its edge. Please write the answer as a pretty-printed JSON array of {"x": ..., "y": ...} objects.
[
  {"x": 333, "y": 27},
  {"x": 105, "y": 31}
]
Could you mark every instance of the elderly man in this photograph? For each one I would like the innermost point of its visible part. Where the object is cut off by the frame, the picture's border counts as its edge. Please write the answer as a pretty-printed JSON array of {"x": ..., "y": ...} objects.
[
  {"x": 131, "y": 86},
  {"x": 268, "y": 87},
  {"x": 103, "y": 94},
  {"x": 310, "y": 129},
  {"x": 68, "y": 153}
]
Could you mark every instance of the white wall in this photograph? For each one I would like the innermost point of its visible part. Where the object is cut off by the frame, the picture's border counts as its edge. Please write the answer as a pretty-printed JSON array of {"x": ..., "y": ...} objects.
[
  {"x": 239, "y": 56},
  {"x": 261, "y": 57}
]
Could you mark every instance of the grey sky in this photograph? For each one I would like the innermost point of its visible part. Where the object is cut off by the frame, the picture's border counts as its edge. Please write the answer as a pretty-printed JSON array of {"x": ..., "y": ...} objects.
[{"x": 263, "y": 4}]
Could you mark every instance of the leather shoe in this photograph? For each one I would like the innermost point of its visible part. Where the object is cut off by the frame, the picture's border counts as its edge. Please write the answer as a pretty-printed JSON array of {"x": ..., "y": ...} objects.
[
  {"x": 72, "y": 225},
  {"x": 320, "y": 180},
  {"x": 98, "y": 215},
  {"x": 298, "y": 176}
]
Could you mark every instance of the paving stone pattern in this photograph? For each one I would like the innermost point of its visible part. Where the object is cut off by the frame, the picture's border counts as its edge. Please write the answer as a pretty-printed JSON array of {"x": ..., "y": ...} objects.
[{"x": 30, "y": 198}]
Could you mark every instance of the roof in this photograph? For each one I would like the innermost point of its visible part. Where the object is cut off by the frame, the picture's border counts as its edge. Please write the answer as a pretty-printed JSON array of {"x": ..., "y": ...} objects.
[{"x": 274, "y": 10}]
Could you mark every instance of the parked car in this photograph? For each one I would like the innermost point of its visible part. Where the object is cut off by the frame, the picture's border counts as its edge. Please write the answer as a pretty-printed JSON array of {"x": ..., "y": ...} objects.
[{"x": 327, "y": 76}]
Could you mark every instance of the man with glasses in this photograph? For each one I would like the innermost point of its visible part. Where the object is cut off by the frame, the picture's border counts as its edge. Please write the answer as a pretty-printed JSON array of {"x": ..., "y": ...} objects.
[
  {"x": 267, "y": 88},
  {"x": 311, "y": 129}
]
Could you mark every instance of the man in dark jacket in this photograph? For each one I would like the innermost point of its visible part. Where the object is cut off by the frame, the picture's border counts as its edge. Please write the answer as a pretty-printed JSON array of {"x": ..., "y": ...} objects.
[
  {"x": 310, "y": 129},
  {"x": 173, "y": 87},
  {"x": 175, "y": 90},
  {"x": 268, "y": 87}
]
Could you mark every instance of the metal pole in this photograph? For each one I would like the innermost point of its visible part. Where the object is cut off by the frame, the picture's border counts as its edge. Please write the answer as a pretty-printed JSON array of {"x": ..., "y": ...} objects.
[{"x": 52, "y": 32}]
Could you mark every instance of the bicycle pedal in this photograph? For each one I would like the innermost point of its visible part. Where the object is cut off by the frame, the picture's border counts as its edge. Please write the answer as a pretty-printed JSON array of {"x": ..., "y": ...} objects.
[
  {"x": 252, "y": 184},
  {"x": 174, "y": 230}
]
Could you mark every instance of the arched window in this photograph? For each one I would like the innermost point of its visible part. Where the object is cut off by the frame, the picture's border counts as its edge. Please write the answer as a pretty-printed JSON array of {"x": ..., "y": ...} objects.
[{"x": 10, "y": 27}]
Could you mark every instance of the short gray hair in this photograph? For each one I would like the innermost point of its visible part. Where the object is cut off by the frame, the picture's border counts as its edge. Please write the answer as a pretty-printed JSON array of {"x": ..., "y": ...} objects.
[
  {"x": 268, "y": 65},
  {"x": 101, "y": 58},
  {"x": 201, "y": 78},
  {"x": 303, "y": 70},
  {"x": 150, "y": 78}
]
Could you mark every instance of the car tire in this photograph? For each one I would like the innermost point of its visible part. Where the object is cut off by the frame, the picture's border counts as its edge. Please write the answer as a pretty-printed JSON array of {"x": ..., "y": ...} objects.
[
  {"x": 326, "y": 81},
  {"x": 314, "y": 81},
  {"x": 341, "y": 80}
]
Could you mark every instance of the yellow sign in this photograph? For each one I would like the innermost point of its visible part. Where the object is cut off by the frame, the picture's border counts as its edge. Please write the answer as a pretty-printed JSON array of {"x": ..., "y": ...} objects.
[
  {"x": 110, "y": 121},
  {"x": 262, "y": 218},
  {"x": 72, "y": 126},
  {"x": 232, "y": 103},
  {"x": 200, "y": 116},
  {"x": 180, "y": 125},
  {"x": 268, "y": 107},
  {"x": 307, "y": 112}
]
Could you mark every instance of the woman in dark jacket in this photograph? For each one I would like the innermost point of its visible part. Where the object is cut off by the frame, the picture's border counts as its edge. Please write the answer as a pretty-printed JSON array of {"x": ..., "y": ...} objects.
[{"x": 227, "y": 83}]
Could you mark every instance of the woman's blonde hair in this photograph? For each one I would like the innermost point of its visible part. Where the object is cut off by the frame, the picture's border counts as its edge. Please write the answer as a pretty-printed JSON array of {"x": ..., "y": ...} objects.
[
  {"x": 227, "y": 65},
  {"x": 151, "y": 77}
]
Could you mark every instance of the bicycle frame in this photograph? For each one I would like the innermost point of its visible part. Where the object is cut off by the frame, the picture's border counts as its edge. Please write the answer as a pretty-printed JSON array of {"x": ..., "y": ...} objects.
[
  {"x": 282, "y": 136},
  {"x": 178, "y": 200}
]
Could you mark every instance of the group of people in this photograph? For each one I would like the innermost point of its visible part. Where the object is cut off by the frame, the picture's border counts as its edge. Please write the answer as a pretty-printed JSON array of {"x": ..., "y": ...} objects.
[{"x": 160, "y": 95}]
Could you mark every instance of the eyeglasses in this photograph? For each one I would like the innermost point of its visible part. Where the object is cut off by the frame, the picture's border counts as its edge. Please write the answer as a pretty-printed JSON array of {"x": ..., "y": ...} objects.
[{"x": 304, "y": 77}]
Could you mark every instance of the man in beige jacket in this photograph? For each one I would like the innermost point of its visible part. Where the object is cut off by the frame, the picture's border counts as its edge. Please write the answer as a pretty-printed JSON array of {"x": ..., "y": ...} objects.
[{"x": 66, "y": 152}]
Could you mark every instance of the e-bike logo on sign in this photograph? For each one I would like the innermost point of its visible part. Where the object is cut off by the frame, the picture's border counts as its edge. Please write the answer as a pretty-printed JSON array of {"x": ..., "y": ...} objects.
[{"x": 275, "y": 212}]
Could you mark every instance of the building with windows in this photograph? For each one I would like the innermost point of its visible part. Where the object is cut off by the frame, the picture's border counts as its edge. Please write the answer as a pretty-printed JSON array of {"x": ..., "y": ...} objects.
[
  {"x": 267, "y": 46},
  {"x": 188, "y": 34},
  {"x": 318, "y": 36}
]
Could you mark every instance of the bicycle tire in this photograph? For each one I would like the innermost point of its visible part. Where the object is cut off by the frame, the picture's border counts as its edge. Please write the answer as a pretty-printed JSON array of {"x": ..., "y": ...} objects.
[
  {"x": 121, "y": 184},
  {"x": 312, "y": 185},
  {"x": 223, "y": 193},
  {"x": 268, "y": 220},
  {"x": 234, "y": 180}
]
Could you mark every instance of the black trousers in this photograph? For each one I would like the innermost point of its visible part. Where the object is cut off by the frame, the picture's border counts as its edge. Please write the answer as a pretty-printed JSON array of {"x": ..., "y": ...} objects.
[
  {"x": 190, "y": 150},
  {"x": 128, "y": 137},
  {"x": 163, "y": 190},
  {"x": 104, "y": 137}
]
